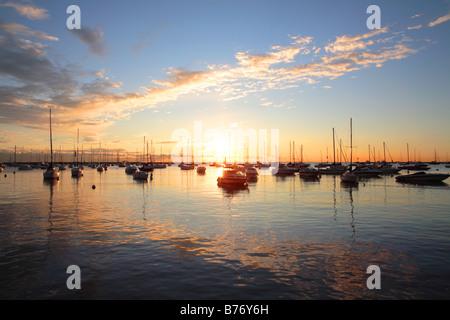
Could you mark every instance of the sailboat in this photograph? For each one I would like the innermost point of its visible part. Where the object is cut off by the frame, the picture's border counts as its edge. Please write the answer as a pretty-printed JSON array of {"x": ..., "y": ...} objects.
[
  {"x": 349, "y": 176},
  {"x": 334, "y": 168},
  {"x": 100, "y": 168},
  {"x": 51, "y": 172},
  {"x": 76, "y": 171},
  {"x": 147, "y": 167}
]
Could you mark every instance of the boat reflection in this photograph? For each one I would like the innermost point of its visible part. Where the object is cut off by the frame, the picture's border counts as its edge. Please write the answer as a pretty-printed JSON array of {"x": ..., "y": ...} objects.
[
  {"x": 424, "y": 183},
  {"x": 350, "y": 185},
  {"x": 231, "y": 191},
  {"x": 51, "y": 183}
]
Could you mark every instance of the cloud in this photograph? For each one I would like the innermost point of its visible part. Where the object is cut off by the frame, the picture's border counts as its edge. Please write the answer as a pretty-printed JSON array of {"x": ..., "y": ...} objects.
[
  {"x": 415, "y": 27},
  {"x": 33, "y": 13},
  {"x": 416, "y": 16},
  {"x": 35, "y": 82},
  {"x": 40, "y": 82},
  {"x": 15, "y": 28},
  {"x": 351, "y": 43},
  {"x": 440, "y": 20},
  {"x": 93, "y": 38}
]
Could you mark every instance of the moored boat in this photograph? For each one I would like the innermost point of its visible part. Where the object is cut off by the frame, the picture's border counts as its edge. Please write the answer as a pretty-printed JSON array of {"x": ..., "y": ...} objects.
[
  {"x": 25, "y": 167},
  {"x": 185, "y": 166},
  {"x": 251, "y": 173},
  {"x": 140, "y": 175},
  {"x": 51, "y": 173},
  {"x": 201, "y": 169},
  {"x": 422, "y": 177},
  {"x": 285, "y": 170},
  {"x": 131, "y": 169},
  {"x": 349, "y": 176},
  {"x": 232, "y": 177},
  {"x": 367, "y": 172},
  {"x": 308, "y": 173}
]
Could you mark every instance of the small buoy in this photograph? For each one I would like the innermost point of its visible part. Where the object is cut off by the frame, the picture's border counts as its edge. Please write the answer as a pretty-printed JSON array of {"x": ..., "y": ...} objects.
[{"x": 93, "y": 186}]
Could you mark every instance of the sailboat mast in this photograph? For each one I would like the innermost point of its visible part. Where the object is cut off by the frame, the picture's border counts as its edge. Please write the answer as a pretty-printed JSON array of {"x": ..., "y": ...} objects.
[
  {"x": 78, "y": 140},
  {"x": 407, "y": 150},
  {"x": 351, "y": 144},
  {"x": 293, "y": 153},
  {"x": 334, "y": 150},
  {"x": 51, "y": 141}
]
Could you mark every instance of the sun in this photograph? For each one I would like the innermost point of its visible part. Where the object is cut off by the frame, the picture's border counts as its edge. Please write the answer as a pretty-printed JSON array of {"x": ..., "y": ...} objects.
[{"x": 216, "y": 150}]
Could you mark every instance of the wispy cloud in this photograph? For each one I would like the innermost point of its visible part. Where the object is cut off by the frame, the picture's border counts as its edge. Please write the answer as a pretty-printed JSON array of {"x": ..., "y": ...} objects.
[
  {"x": 416, "y": 16},
  {"x": 41, "y": 83},
  {"x": 93, "y": 38},
  {"x": 16, "y": 28},
  {"x": 29, "y": 11},
  {"x": 415, "y": 27},
  {"x": 439, "y": 20}
]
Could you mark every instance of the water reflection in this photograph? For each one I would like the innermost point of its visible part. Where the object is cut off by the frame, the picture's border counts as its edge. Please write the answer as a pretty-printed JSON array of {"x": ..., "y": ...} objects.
[
  {"x": 283, "y": 241},
  {"x": 231, "y": 191},
  {"x": 51, "y": 183},
  {"x": 423, "y": 183}
]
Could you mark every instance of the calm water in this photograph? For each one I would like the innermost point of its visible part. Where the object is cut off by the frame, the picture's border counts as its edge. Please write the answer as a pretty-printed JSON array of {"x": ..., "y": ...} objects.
[{"x": 180, "y": 236}]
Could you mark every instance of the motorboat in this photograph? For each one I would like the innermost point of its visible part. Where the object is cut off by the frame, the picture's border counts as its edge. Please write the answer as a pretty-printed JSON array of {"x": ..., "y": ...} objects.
[
  {"x": 201, "y": 169},
  {"x": 232, "y": 177},
  {"x": 422, "y": 177}
]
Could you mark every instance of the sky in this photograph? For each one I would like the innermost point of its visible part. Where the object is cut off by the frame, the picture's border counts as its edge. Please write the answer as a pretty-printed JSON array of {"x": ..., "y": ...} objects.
[{"x": 149, "y": 69}]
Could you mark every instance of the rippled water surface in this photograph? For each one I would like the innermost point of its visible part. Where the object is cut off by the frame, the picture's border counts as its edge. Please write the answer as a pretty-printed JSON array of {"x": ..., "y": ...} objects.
[{"x": 180, "y": 236}]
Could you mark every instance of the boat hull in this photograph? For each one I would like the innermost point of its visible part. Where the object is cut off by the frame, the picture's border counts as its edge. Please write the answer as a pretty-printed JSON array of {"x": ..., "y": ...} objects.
[
  {"x": 349, "y": 177},
  {"x": 422, "y": 177},
  {"x": 51, "y": 174},
  {"x": 140, "y": 175}
]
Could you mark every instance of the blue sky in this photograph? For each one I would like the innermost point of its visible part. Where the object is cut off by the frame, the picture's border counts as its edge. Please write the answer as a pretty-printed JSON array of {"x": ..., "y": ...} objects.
[{"x": 150, "y": 67}]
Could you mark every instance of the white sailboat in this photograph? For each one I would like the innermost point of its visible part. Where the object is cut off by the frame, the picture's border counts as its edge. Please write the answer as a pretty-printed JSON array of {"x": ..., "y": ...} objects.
[
  {"x": 51, "y": 172},
  {"x": 349, "y": 176}
]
